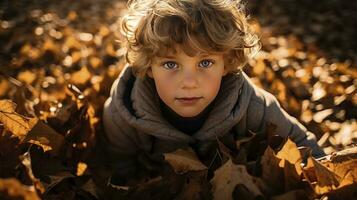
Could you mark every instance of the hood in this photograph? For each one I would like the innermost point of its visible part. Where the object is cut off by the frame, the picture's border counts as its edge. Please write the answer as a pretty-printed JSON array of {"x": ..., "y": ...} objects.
[{"x": 138, "y": 104}]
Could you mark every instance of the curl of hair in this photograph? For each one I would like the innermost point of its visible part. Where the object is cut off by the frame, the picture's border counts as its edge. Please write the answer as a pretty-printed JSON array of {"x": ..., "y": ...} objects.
[{"x": 153, "y": 27}]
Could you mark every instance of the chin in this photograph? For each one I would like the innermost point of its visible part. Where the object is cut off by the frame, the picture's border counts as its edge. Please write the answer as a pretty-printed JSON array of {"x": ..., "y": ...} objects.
[{"x": 188, "y": 114}]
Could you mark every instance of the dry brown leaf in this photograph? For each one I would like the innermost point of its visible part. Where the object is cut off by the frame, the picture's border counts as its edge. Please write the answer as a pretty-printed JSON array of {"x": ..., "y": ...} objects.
[
  {"x": 15, "y": 123},
  {"x": 259, "y": 67},
  {"x": 81, "y": 77},
  {"x": 43, "y": 135},
  {"x": 27, "y": 77},
  {"x": 4, "y": 86},
  {"x": 26, "y": 161},
  {"x": 344, "y": 165},
  {"x": 12, "y": 189},
  {"x": 271, "y": 172},
  {"x": 320, "y": 116},
  {"x": 95, "y": 62},
  {"x": 292, "y": 195},
  {"x": 326, "y": 180},
  {"x": 195, "y": 187},
  {"x": 291, "y": 154},
  {"x": 81, "y": 168},
  {"x": 49, "y": 45},
  {"x": 71, "y": 42},
  {"x": 227, "y": 177},
  {"x": 347, "y": 133},
  {"x": 279, "y": 89},
  {"x": 183, "y": 161},
  {"x": 318, "y": 92},
  {"x": 292, "y": 177}
]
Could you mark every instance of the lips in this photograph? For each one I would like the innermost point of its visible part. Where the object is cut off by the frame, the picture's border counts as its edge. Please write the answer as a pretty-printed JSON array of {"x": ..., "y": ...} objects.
[
  {"x": 189, "y": 101},
  {"x": 189, "y": 98}
]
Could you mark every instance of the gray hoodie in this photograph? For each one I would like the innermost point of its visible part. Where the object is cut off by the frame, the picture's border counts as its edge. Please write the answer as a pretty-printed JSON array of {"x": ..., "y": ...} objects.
[{"x": 134, "y": 124}]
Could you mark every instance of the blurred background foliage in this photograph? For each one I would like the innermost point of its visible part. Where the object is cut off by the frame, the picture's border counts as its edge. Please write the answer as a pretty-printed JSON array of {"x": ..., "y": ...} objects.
[{"x": 58, "y": 60}]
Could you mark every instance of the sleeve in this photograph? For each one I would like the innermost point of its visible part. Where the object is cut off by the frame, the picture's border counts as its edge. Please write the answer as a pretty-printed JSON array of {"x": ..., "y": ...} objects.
[
  {"x": 264, "y": 108},
  {"x": 119, "y": 148}
]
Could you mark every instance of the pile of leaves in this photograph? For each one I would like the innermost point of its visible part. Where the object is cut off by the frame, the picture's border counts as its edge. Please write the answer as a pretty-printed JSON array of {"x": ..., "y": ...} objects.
[
  {"x": 38, "y": 161},
  {"x": 57, "y": 66}
]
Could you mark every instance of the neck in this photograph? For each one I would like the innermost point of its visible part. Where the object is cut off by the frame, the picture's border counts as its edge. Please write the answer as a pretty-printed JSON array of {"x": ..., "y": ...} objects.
[{"x": 187, "y": 125}]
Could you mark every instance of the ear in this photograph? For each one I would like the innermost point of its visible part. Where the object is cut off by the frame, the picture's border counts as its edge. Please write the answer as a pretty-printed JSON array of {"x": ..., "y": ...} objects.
[{"x": 149, "y": 72}]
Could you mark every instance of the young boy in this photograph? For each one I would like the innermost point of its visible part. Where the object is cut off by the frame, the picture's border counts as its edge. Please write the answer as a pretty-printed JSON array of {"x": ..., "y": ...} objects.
[{"x": 184, "y": 83}]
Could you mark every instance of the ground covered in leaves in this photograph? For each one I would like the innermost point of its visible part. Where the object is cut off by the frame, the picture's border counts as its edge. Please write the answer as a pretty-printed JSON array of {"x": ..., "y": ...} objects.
[{"x": 58, "y": 61}]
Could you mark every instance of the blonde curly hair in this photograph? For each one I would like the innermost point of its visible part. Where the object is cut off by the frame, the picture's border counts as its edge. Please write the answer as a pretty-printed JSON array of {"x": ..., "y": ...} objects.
[{"x": 153, "y": 27}]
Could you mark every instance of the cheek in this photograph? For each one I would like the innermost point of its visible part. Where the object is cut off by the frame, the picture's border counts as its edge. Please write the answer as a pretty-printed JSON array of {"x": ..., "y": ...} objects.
[
  {"x": 164, "y": 87},
  {"x": 212, "y": 85}
]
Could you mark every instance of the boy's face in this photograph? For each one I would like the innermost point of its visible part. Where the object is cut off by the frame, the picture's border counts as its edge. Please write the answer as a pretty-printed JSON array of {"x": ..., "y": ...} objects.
[{"x": 187, "y": 84}]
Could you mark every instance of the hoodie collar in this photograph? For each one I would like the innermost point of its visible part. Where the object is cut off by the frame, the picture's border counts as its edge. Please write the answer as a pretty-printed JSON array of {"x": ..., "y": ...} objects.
[{"x": 145, "y": 114}]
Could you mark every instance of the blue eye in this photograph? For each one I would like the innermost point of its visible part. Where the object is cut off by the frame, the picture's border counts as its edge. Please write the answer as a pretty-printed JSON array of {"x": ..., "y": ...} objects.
[
  {"x": 205, "y": 63},
  {"x": 170, "y": 65}
]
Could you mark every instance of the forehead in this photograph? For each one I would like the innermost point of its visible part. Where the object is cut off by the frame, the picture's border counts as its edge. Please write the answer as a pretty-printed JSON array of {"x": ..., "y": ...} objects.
[{"x": 178, "y": 49}]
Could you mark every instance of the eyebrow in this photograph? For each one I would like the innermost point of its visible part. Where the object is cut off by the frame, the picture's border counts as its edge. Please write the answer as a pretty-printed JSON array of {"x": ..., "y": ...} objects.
[
  {"x": 171, "y": 57},
  {"x": 200, "y": 55}
]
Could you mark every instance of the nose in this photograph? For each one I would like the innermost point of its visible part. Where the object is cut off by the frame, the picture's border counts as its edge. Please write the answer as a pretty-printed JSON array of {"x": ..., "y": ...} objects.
[{"x": 189, "y": 78}]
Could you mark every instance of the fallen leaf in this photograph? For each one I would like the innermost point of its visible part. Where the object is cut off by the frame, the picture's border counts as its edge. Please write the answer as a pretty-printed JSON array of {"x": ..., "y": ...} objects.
[
  {"x": 81, "y": 77},
  {"x": 183, "y": 161},
  {"x": 320, "y": 116},
  {"x": 318, "y": 92},
  {"x": 15, "y": 123},
  {"x": 291, "y": 154},
  {"x": 26, "y": 161},
  {"x": 26, "y": 77},
  {"x": 196, "y": 186},
  {"x": 4, "y": 87},
  {"x": 292, "y": 195},
  {"x": 272, "y": 173},
  {"x": 12, "y": 189},
  {"x": 227, "y": 177},
  {"x": 43, "y": 135},
  {"x": 81, "y": 168},
  {"x": 320, "y": 177}
]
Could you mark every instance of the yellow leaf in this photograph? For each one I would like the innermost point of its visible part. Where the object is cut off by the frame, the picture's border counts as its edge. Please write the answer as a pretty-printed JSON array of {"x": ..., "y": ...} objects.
[
  {"x": 183, "y": 161},
  {"x": 27, "y": 77},
  {"x": 15, "y": 123},
  {"x": 81, "y": 168},
  {"x": 95, "y": 62},
  {"x": 81, "y": 77}
]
